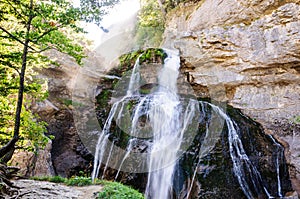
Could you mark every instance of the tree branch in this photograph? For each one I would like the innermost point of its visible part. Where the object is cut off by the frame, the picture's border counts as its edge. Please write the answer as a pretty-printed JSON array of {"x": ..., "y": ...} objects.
[
  {"x": 40, "y": 51},
  {"x": 8, "y": 64},
  {"x": 15, "y": 38},
  {"x": 47, "y": 32}
]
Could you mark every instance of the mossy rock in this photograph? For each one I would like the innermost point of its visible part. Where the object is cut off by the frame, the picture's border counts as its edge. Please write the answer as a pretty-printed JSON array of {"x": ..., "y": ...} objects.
[{"x": 127, "y": 61}]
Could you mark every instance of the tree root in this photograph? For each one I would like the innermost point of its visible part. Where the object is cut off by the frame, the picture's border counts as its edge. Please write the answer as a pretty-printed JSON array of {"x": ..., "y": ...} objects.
[{"x": 7, "y": 189}]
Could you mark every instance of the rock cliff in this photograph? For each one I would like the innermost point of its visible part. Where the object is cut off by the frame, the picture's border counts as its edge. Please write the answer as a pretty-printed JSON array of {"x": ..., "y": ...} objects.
[{"x": 248, "y": 54}]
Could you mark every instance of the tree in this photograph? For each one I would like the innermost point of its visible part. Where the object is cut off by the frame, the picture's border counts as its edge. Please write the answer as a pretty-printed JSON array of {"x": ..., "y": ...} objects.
[
  {"x": 29, "y": 28},
  {"x": 150, "y": 24}
]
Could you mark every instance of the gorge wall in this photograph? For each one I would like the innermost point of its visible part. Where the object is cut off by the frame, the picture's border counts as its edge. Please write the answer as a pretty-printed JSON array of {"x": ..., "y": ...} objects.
[{"x": 248, "y": 54}]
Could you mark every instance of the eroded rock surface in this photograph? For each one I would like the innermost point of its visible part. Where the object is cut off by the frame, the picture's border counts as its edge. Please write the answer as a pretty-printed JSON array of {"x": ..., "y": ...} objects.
[
  {"x": 246, "y": 53},
  {"x": 39, "y": 190}
]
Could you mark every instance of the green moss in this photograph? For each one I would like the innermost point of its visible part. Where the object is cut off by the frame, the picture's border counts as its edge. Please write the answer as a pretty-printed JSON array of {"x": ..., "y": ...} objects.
[
  {"x": 129, "y": 105},
  {"x": 69, "y": 102},
  {"x": 129, "y": 58},
  {"x": 103, "y": 97},
  {"x": 115, "y": 190},
  {"x": 66, "y": 102},
  {"x": 149, "y": 55}
]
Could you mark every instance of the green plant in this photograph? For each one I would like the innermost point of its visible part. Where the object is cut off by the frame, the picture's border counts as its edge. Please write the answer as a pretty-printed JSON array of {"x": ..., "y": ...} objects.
[
  {"x": 74, "y": 181},
  {"x": 55, "y": 179},
  {"x": 297, "y": 119},
  {"x": 150, "y": 24},
  {"x": 115, "y": 190},
  {"x": 79, "y": 181}
]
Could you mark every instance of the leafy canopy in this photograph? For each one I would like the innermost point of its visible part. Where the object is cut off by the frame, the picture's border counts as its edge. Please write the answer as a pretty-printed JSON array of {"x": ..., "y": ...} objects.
[
  {"x": 40, "y": 26},
  {"x": 151, "y": 24}
]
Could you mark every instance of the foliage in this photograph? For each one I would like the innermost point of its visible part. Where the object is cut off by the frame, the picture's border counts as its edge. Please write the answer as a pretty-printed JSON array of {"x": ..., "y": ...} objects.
[
  {"x": 297, "y": 119},
  {"x": 74, "y": 181},
  {"x": 56, "y": 179},
  {"x": 150, "y": 24},
  {"x": 93, "y": 10},
  {"x": 29, "y": 30},
  {"x": 115, "y": 190},
  {"x": 149, "y": 55},
  {"x": 31, "y": 131},
  {"x": 79, "y": 181},
  {"x": 151, "y": 21}
]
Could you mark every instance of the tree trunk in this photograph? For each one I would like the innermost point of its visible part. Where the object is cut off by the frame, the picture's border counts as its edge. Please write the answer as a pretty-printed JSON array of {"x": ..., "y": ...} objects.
[{"x": 6, "y": 151}]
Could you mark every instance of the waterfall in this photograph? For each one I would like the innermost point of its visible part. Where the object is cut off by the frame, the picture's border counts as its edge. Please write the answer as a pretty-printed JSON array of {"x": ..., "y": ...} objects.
[
  {"x": 278, "y": 155},
  {"x": 248, "y": 176},
  {"x": 103, "y": 138},
  {"x": 166, "y": 119},
  {"x": 169, "y": 120}
]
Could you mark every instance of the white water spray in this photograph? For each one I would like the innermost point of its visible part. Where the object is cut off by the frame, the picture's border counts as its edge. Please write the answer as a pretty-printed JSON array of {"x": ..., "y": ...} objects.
[{"x": 169, "y": 119}]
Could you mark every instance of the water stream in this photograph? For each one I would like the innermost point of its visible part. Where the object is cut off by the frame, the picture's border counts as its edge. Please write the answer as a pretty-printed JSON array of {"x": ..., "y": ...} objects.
[{"x": 161, "y": 120}]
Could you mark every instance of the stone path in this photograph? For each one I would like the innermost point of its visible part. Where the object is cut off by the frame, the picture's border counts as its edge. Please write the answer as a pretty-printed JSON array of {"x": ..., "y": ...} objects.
[{"x": 30, "y": 189}]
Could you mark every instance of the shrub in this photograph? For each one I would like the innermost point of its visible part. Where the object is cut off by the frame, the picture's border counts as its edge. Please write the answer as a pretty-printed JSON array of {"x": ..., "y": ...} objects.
[
  {"x": 79, "y": 181},
  {"x": 115, "y": 190}
]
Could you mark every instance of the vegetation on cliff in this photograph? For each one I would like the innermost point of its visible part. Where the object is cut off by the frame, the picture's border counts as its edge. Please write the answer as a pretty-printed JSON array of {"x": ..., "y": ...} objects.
[
  {"x": 152, "y": 19},
  {"x": 150, "y": 25},
  {"x": 29, "y": 29}
]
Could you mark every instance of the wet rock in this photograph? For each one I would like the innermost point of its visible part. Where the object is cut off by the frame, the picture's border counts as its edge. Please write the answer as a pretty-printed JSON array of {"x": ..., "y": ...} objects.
[
  {"x": 245, "y": 53},
  {"x": 210, "y": 174}
]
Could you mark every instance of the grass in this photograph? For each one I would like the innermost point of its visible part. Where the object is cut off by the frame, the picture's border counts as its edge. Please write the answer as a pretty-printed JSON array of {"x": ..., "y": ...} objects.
[
  {"x": 79, "y": 181},
  {"x": 56, "y": 179},
  {"x": 74, "y": 181},
  {"x": 111, "y": 190},
  {"x": 115, "y": 190}
]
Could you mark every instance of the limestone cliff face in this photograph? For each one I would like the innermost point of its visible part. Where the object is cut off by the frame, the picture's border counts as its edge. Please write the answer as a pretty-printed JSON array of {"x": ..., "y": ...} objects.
[{"x": 246, "y": 53}]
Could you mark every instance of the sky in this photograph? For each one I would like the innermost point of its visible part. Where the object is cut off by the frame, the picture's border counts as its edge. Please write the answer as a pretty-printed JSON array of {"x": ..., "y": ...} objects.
[{"x": 121, "y": 12}]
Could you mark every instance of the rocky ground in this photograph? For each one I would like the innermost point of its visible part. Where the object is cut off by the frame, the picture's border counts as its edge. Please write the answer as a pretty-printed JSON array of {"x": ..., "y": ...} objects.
[{"x": 30, "y": 189}]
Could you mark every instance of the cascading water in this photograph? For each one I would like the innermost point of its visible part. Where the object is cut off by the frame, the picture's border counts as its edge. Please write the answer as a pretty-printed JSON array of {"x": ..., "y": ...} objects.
[
  {"x": 241, "y": 161},
  {"x": 161, "y": 120},
  {"x": 169, "y": 126},
  {"x": 168, "y": 123}
]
